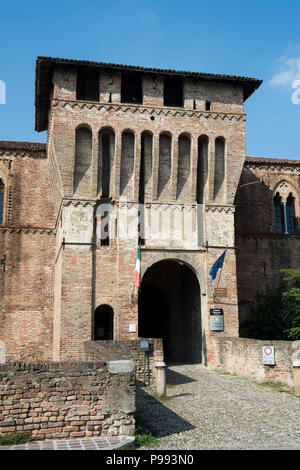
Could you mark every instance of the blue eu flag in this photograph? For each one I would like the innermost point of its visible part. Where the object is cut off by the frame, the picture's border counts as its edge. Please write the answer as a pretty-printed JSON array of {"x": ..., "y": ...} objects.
[{"x": 218, "y": 264}]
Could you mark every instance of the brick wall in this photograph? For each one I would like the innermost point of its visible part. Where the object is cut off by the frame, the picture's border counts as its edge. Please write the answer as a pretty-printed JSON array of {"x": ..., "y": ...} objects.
[
  {"x": 243, "y": 356},
  {"x": 53, "y": 400},
  {"x": 128, "y": 349},
  {"x": 261, "y": 252}
]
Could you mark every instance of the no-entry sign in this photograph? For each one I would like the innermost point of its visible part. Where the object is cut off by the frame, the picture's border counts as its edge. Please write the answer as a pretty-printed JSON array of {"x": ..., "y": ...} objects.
[{"x": 268, "y": 356}]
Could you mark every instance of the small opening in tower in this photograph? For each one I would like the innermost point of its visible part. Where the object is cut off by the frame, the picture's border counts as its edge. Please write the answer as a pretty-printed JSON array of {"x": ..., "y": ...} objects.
[
  {"x": 131, "y": 89},
  {"x": 87, "y": 85},
  {"x": 173, "y": 92},
  {"x": 104, "y": 241},
  {"x": 207, "y": 105}
]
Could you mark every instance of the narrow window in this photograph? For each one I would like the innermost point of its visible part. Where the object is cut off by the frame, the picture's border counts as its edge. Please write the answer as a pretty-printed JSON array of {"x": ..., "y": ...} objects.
[
  {"x": 290, "y": 214},
  {"x": 87, "y": 85},
  {"x": 104, "y": 323},
  {"x": 2, "y": 188},
  {"x": 207, "y": 105},
  {"x": 278, "y": 214},
  {"x": 131, "y": 89},
  {"x": 173, "y": 92},
  {"x": 104, "y": 227}
]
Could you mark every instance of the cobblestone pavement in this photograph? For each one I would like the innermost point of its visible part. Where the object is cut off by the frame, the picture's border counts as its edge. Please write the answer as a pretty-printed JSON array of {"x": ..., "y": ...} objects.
[
  {"x": 213, "y": 411},
  {"x": 86, "y": 443}
]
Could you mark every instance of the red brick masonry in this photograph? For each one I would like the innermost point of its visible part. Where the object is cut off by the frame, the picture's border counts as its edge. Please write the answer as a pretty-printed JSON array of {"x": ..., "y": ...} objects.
[{"x": 53, "y": 400}]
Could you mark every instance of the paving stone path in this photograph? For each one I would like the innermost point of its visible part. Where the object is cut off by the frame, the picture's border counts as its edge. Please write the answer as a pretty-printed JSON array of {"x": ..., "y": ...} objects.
[
  {"x": 209, "y": 410},
  {"x": 86, "y": 443}
]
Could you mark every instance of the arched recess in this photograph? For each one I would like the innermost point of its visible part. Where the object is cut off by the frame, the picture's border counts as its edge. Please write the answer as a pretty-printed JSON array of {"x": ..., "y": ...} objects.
[
  {"x": 184, "y": 165},
  {"x": 127, "y": 163},
  {"x": 83, "y": 160},
  {"x": 164, "y": 167},
  {"x": 170, "y": 308},
  {"x": 106, "y": 158},
  {"x": 146, "y": 166},
  {"x": 202, "y": 168},
  {"x": 219, "y": 174},
  {"x": 103, "y": 323}
]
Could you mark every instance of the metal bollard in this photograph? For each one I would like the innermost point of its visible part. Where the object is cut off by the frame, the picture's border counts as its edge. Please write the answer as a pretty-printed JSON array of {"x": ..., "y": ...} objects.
[{"x": 161, "y": 378}]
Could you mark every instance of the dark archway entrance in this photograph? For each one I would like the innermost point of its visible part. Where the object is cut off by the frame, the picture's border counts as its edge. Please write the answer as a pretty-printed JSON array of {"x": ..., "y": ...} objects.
[
  {"x": 170, "y": 308},
  {"x": 104, "y": 323}
]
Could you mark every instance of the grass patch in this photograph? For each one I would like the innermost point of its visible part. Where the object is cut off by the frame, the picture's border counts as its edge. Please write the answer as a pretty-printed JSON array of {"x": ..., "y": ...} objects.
[
  {"x": 278, "y": 386},
  {"x": 144, "y": 436},
  {"x": 14, "y": 438}
]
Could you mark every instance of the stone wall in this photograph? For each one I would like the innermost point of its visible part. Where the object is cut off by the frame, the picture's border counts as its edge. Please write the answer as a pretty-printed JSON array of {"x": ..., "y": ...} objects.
[
  {"x": 52, "y": 400},
  {"x": 243, "y": 356},
  {"x": 128, "y": 349}
]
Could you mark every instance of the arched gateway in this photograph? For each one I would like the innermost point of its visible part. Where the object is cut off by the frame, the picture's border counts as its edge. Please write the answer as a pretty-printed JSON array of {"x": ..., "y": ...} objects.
[{"x": 170, "y": 308}]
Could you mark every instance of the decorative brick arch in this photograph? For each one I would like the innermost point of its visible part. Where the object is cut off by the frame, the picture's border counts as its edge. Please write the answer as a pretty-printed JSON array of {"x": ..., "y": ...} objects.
[
  {"x": 197, "y": 269},
  {"x": 286, "y": 186}
]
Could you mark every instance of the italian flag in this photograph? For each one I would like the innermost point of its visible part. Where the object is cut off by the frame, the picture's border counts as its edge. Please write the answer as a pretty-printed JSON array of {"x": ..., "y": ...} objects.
[{"x": 137, "y": 270}]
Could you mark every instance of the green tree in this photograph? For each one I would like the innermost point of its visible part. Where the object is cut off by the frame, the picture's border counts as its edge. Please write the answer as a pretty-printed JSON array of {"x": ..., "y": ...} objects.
[
  {"x": 276, "y": 314},
  {"x": 292, "y": 295}
]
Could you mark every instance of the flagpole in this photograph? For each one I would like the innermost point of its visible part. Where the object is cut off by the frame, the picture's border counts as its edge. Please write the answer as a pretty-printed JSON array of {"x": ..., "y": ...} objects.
[{"x": 220, "y": 273}]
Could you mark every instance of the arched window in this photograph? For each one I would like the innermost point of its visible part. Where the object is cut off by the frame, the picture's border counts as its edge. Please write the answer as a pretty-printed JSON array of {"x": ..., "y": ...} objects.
[
  {"x": 2, "y": 190},
  {"x": 103, "y": 323},
  {"x": 284, "y": 214},
  {"x": 290, "y": 214},
  {"x": 278, "y": 214}
]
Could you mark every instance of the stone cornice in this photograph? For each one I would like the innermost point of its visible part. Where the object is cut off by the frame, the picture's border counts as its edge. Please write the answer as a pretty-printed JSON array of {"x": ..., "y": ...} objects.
[
  {"x": 219, "y": 208},
  {"x": 78, "y": 202},
  {"x": 7, "y": 154},
  {"x": 151, "y": 110}
]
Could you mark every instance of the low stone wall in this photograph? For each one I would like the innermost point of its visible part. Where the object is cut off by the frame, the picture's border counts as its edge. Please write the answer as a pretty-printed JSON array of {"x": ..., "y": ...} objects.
[
  {"x": 243, "y": 356},
  {"x": 67, "y": 399},
  {"x": 128, "y": 349}
]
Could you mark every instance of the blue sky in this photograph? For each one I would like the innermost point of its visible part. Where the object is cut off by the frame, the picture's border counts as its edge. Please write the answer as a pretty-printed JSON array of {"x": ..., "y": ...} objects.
[{"x": 249, "y": 38}]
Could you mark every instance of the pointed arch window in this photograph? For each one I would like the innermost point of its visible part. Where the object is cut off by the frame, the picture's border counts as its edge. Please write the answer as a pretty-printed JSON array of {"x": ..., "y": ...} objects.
[
  {"x": 2, "y": 191},
  {"x": 290, "y": 214},
  {"x": 284, "y": 214},
  {"x": 278, "y": 214}
]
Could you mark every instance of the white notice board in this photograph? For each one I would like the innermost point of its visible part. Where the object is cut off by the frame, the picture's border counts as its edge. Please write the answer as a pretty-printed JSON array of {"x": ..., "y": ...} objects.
[{"x": 268, "y": 356}]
